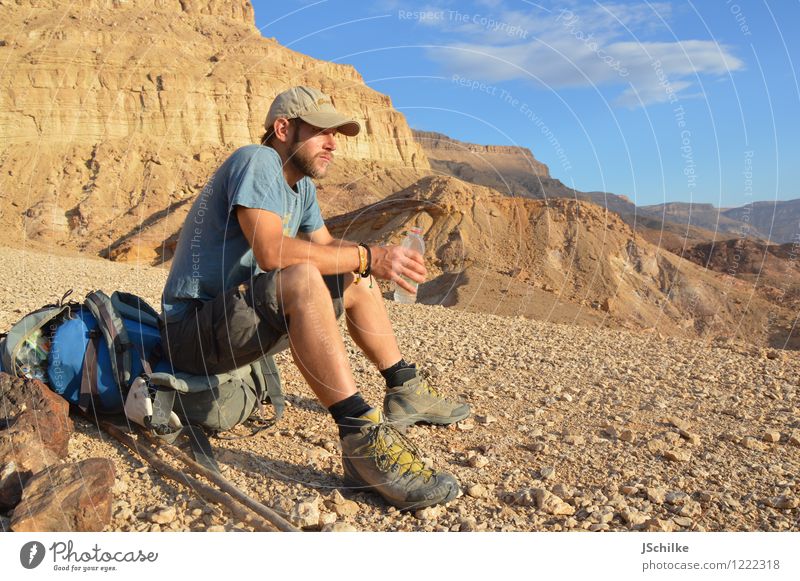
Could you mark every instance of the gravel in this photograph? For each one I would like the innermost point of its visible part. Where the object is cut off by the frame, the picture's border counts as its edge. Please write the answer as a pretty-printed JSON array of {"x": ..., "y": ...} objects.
[{"x": 705, "y": 433}]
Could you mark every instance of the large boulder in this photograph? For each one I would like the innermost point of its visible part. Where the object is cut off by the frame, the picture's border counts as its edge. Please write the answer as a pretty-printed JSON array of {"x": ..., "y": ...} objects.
[
  {"x": 34, "y": 432},
  {"x": 70, "y": 497}
]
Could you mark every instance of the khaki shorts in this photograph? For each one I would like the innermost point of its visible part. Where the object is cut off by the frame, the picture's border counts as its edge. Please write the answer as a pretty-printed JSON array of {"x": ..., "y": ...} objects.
[{"x": 238, "y": 327}]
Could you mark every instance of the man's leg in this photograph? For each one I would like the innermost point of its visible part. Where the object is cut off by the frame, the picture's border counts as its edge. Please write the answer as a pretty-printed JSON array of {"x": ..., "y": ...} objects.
[
  {"x": 409, "y": 399},
  {"x": 368, "y": 322},
  {"x": 314, "y": 339},
  {"x": 374, "y": 455}
]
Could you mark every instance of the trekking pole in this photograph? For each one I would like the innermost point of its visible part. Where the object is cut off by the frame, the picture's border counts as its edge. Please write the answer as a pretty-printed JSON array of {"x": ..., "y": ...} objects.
[
  {"x": 257, "y": 507},
  {"x": 210, "y": 494}
]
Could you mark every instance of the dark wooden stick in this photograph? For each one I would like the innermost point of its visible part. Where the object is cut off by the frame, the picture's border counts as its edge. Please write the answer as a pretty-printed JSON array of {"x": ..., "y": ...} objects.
[
  {"x": 260, "y": 509},
  {"x": 239, "y": 511}
]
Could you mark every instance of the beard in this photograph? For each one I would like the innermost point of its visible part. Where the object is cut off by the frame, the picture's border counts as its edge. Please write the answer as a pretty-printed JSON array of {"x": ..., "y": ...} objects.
[{"x": 305, "y": 163}]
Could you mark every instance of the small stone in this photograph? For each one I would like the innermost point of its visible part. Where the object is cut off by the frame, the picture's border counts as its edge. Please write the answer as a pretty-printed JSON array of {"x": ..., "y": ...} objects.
[
  {"x": 563, "y": 491},
  {"x": 656, "y": 495},
  {"x": 629, "y": 490},
  {"x": 690, "y": 437},
  {"x": 339, "y": 527},
  {"x": 467, "y": 525},
  {"x": 305, "y": 513},
  {"x": 683, "y": 521},
  {"x": 486, "y": 420},
  {"x": 678, "y": 455},
  {"x": 574, "y": 439},
  {"x": 550, "y": 503},
  {"x": 346, "y": 509},
  {"x": 751, "y": 443},
  {"x": 163, "y": 515},
  {"x": 658, "y": 525},
  {"x": 794, "y": 438},
  {"x": 772, "y": 436},
  {"x": 783, "y": 502},
  {"x": 633, "y": 517},
  {"x": 705, "y": 496},
  {"x": 478, "y": 461},
  {"x": 430, "y": 513},
  {"x": 466, "y": 425},
  {"x": 678, "y": 498},
  {"x": 610, "y": 432},
  {"x": 657, "y": 446},
  {"x": 597, "y": 527},
  {"x": 627, "y": 436},
  {"x": 326, "y": 518},
  {"x": 547, "y": 473},
  {"x": 679, "y": 423},
  {"x": 690, "y": 509},
  {"x": 216, "y": 529},
  {"x": 477, "y": 491}
]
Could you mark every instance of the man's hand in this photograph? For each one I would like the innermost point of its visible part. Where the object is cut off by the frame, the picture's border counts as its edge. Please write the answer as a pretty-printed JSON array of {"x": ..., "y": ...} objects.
[{"x": 395, "y": 262}]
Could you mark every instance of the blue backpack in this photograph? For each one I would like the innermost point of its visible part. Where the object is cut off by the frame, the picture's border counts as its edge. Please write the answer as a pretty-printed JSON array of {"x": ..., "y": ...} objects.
[{"x": 91, "y": 353}]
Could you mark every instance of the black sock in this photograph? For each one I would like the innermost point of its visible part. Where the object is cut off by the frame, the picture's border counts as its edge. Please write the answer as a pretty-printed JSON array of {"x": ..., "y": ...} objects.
[
  {"x": 390, "y": 374},
  {"x": 344, "y": 411}
]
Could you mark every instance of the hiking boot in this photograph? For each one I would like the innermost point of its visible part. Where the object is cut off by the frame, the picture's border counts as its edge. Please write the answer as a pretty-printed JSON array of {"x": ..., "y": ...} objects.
[
  {"x": 381, "y": 459},
  {"x": 412, "y": 401}
]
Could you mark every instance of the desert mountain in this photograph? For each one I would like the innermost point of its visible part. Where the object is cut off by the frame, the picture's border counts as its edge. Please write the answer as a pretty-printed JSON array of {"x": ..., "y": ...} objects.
[
  {"x": 508, "y": 169},
  {"x": 775, "y": 222},
  {"x": 114, "y": 114},
  {"x": 556, "y": 259}
]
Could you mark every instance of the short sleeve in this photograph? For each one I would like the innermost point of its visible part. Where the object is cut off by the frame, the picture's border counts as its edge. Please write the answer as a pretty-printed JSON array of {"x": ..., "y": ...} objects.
[
  {"x": 312, "y": 215},
  {"x": 255, "y": 180}
]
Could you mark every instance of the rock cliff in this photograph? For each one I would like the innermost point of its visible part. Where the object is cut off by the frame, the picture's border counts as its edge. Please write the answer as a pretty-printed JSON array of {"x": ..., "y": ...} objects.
[
  {"x": 113, "y": 113},
  {"x": 563, "y": 260}
]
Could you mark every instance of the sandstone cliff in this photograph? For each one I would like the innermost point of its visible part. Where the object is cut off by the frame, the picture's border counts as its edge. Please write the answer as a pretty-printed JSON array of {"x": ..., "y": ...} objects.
[
  {"x": 114, "y": 113},
  {"x": 560, "y": 260},
  {"x": 511, "y": 170}
]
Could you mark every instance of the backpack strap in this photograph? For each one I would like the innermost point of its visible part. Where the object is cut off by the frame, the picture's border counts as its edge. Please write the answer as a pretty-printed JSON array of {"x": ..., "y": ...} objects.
[
  {"x": 119, "y": 346},
  {"x": 274, "y": 390},
  {"x": 163, "y": 402},
  {"x": 88, "y": 391},
  {"x": 135, "y": 308}
]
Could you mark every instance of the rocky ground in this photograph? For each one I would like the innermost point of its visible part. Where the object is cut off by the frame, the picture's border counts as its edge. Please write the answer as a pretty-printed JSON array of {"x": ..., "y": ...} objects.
[{"x": 574, "y": 428}]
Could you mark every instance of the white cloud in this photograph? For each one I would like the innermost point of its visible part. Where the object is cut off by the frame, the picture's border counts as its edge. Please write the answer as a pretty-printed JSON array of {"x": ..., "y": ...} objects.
[{"x": 602, "y": 45}]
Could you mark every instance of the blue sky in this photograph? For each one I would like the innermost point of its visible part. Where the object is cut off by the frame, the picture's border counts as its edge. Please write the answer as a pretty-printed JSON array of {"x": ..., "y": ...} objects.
[{"x": 659, "y": 101}]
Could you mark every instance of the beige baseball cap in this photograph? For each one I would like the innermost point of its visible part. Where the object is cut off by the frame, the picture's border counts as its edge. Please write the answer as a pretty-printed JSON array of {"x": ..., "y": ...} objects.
[{"x": 312, "y": 106}]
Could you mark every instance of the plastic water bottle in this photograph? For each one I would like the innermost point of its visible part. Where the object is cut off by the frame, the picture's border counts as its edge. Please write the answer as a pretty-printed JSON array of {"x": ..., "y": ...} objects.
[
  {"x": 32, "y": 356},
  {"x": 414, "y": 241}
]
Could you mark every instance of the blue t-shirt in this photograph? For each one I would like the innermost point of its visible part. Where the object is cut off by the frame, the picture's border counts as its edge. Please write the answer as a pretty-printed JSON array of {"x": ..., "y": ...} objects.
[{"x": 213, "y": 254}]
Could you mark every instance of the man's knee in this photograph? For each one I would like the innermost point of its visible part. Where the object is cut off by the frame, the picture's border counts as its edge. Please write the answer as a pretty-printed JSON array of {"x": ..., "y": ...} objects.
[
  {"x": 299, "y": 285},
  {"x": 358, "y": 293}
]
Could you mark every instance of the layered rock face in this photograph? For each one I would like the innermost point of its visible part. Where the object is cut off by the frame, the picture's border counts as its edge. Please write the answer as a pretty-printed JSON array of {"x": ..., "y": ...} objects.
[
  {"x": 510, "y": 170},
  {"x": 516, "y": 256},
  {"x": 114, "y": 112}
]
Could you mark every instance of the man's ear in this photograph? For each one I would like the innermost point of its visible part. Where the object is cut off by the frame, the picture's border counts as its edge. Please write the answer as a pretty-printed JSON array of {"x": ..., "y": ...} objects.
[{"x": 282, "y": 128}]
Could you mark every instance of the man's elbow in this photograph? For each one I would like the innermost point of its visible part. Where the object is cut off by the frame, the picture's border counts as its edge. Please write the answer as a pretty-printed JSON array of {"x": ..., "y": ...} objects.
[{"x": 268, "y": 260}]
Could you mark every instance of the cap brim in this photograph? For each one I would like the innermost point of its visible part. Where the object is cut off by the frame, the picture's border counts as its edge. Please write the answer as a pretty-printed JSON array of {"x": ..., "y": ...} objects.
[{"x": 330, "y": 120}]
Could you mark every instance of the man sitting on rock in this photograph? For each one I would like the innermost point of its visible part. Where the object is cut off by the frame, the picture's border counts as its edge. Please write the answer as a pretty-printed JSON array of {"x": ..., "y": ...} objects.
[{"x": 255, "y": 266}]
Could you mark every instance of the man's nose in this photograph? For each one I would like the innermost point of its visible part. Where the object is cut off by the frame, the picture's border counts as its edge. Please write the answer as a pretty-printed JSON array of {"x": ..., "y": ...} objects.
[{"x": 330, "y": 142}]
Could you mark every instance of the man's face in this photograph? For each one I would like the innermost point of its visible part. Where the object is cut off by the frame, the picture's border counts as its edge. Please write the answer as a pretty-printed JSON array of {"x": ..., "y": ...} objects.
[{"x": 312, "y": 148}]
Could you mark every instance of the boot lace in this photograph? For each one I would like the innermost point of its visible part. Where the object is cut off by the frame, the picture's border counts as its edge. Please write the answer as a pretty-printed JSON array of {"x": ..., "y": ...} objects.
[{"x": 392, "y": 450}]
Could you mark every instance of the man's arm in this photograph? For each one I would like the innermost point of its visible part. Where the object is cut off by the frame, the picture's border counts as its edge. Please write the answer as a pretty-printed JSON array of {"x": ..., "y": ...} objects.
[
  {"x": 323, "y": 236},
  {"x": 273, "y": 250}
]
